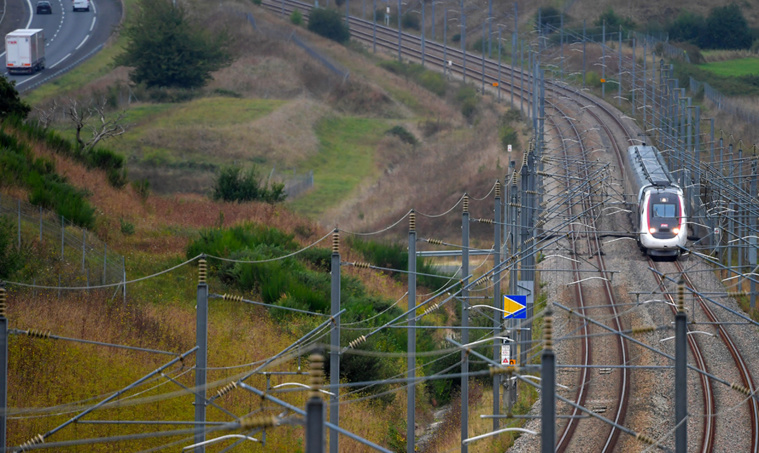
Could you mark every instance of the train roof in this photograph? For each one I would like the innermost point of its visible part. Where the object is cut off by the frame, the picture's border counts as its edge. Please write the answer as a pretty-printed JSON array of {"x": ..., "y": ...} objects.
[{"x": 649, "y": 166}]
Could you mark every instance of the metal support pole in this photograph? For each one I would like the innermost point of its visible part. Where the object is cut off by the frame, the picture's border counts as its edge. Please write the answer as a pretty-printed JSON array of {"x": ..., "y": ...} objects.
[
  {"x": 490, "y": 30},
  {"x": 399, "y": 42},
  {"x": 681, "y": 382},
  {"x": 334, "y": 356},
  {"x": 619, "y": 70},
  {"x": 603, "y": 59},
  {"x": 432, "y": 30},
  {"x": 465, "y": 325},
  {"x": 645, "y": 89},
  {"x": 634, "y": 64},
  {"x": 463, "y": 42},
  {"x": 201, "y": 356},
  {"x": 482, "y": 69},
  {"x": 548, "y": 387},
  {"x": 411, "y": 358},
  {"x": 497, "y": 300},
  {"x": 584, "y": 39},
  {"x": 753, "y": 222},
  {"x": 521, "y": 77},
  {"x": 374, "y": 26},
  {"x": 499, "y": 64},
  {"x": 697, "y": 144},
  {"x": 316, "y": 438},
  {"x": 423, "y": 23}
]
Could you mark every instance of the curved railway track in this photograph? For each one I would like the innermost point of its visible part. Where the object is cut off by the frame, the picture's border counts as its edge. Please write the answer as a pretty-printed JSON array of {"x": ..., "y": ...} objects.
[
  {"x": 499, "y": 79},
  {"x": 584, "y": 211},
  {"x": 741, "y": 365}
]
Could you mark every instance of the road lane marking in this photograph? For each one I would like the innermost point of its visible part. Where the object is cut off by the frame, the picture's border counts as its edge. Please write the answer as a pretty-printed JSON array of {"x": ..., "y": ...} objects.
[
  {"x": 59, "y": 61},
  {"x": 82, "y": 43}
]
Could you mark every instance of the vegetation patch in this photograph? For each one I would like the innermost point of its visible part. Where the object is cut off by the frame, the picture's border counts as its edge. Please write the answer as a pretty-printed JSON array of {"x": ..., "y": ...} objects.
[
  {"x": 46, "y": 188},
  {"x": 235, "y": 184},
  {"x": 741, "y": 67},
  {"x": 344, "y": 161},
  {"x": 402, "y": 133}
]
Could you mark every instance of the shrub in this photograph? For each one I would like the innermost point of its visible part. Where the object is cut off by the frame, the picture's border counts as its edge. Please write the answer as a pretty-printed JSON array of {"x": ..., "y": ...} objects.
[
  {"x": 232, "y": 184},
  {"x": 467, "y": 99},
  {"x": 296, "y": 17},
  {"x": 46, "y": 188},
  {"x": 10, "y": 102},
  {"x": 434, "y": 82},
  {"x": 409, "y": 20},
  {"x": 142, "y": 188},
  {"x": 127, "y": 228},
  {"x": 11, "y": 259},
  {"x": 592, "y": 79},
  {"x": 330, "y": 24},
  {"x": 403, "y": 134},
  {"x": 508, "y": 136}
]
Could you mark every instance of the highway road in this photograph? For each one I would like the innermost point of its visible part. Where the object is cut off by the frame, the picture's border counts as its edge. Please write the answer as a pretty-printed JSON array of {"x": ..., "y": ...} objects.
[{"x": 70, "y": 37}]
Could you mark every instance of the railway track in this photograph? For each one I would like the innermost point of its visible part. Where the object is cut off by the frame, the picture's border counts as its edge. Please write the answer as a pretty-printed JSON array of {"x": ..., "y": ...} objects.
[
  {"x": 585, "y": 241},
  {"x": 613, "y": 135},
  {"x": 741, "y": 365}
]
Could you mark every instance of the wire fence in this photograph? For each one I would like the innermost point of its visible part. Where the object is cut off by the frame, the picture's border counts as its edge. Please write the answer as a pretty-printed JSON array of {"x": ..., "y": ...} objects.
[
  {"x": 84, "y": 259},
  {"x": 722, "y": 102}
]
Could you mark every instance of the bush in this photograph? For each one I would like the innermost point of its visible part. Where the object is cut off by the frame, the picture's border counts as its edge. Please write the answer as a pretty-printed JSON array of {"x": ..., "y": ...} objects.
[
  {"x": 232, "y": 184},
  {"x": 10, "y": 102},
  {"x": 550, "y": 19},
  {"x": 330, "y": 24},
  {"x": 127, "y": 228},
  {"x": 142, "y": 188},
  {"x": 296, "y": 17},
  {"x": 403, "y": 134},
  {"x": 467, "y": 99},
  {"x": 11, "y": 259},
  {"x": 46, "y": 188},
  {"x": 412, "y": 21},
  {"x": 614, "y": 22},
  {"x": 434, "y": 82}
]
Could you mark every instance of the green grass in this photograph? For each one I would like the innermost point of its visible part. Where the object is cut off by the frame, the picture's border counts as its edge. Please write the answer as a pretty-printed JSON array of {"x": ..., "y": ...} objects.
[
  {"x": 214, "y": 112},
  {"x": 345, "y": 160},
  {"x": 734, "y": 68}
]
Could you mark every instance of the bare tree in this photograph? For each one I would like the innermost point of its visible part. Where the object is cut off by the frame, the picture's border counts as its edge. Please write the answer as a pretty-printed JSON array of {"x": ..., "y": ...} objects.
[{"x": 92, "y": 117}]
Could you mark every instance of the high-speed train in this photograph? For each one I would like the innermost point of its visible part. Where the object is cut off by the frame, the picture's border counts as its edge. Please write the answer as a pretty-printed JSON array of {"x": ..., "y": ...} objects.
[{"x": 660, "y": 218}]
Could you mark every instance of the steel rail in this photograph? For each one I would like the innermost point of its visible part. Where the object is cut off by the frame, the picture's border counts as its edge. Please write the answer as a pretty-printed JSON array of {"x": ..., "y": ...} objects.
[
  {"x": 740, "y": 362},
  {"x": 710, "y": 404}
]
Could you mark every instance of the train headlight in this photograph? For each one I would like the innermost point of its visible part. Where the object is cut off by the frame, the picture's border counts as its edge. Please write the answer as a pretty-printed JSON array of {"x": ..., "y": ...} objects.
[
  {"x": 676, "y": 230},
  {"x": 652, "y": 230}
]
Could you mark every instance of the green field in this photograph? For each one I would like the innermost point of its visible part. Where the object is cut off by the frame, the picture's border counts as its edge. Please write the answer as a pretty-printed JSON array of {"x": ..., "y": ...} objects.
[
  {"x": 734, "y": 68},
  {"x": 344, "y": 161}
]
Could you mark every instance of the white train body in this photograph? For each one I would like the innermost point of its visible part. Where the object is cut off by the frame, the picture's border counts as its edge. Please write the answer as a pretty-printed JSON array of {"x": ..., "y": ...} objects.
[{"x": 661, "y": 219}]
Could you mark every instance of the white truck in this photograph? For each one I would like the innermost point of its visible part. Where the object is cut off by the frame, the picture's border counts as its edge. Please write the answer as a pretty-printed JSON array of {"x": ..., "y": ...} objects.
[{"x": 25, "y": 51}]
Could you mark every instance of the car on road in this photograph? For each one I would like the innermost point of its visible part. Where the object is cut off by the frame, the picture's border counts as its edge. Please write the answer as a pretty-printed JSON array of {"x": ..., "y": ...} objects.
[
  {"x": 44, "y": 7},
  {"x": 81, "y": 5}
]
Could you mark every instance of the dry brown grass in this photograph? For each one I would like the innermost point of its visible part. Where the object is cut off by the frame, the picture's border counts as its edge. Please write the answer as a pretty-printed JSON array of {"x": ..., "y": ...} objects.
[{"x": 724, "y": 55}]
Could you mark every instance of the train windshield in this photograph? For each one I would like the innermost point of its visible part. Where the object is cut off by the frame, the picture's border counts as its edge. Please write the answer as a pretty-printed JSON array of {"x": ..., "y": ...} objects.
[{"x": 664, "y": 210}]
